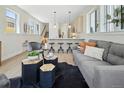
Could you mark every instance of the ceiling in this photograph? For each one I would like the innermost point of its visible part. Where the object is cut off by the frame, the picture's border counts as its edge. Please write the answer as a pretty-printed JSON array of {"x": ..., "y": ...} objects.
[{"x": 44, "y": 13}]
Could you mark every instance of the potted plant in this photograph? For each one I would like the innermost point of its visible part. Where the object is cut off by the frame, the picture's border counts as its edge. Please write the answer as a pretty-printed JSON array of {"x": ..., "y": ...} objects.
[
  {"x": 33, "y": 55},
  {"x": 116, "y": 19}
]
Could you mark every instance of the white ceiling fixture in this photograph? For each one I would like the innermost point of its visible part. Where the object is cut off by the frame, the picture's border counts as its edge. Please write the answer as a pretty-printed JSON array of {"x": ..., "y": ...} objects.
[
  {"x": 69, "y": 18},
  {"x": 54, "y": 19},
  {"x": 43, "y": 12}
]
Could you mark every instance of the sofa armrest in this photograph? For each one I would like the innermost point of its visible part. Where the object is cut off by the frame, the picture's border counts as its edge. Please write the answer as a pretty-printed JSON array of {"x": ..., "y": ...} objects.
[
  {"x": 4, "y": 81},
  {"x": 109, "y": 76}
]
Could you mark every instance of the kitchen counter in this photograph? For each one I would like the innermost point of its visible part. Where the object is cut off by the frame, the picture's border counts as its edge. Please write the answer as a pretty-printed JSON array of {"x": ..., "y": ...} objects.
[{"x": 66, "y": 39}]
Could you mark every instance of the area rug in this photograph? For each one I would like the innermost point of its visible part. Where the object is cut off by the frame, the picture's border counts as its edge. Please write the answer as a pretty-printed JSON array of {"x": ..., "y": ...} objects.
[{"x": 69, "y": 76}]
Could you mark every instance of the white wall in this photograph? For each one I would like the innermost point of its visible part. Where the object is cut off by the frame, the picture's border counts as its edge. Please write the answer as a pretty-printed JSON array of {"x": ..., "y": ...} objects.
[
  {"x": 78, "y": 24},
  {"x": 12, "y": 42},
  {"x": 117, "y": 37}
]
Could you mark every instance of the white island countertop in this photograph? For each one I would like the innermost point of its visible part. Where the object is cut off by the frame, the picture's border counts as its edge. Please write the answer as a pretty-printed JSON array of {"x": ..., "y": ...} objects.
[{"x": 66, "y": 39}]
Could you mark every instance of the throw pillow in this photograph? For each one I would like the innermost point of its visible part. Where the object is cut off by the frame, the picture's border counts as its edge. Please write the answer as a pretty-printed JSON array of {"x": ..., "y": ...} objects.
[
  {"x": 82, "y": 49},
  {"x": 94, "y": 52},
  {"x": 93, "y": 44},
  {"x": 82, "y": 44}
]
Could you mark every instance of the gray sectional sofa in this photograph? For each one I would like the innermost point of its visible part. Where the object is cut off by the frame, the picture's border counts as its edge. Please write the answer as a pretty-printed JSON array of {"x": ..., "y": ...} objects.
[{"x": 103, "y": 74}]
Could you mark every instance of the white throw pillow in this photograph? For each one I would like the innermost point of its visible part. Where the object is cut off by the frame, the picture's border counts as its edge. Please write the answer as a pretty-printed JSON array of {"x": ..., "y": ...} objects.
[{"x": 94, "y": 52}]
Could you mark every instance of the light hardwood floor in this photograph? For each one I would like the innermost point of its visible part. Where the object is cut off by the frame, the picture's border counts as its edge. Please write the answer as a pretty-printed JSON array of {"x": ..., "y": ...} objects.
[{"x": 12, "y": 67}]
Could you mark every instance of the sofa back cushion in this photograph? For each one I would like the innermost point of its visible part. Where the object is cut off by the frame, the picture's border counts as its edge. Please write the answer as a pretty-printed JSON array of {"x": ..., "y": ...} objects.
[
  {"x": 94, "y": 52},
  {"x": 106, "y": 45},
  {"x": 116, "y": 54},
  {"x": 103, "y": 44}
]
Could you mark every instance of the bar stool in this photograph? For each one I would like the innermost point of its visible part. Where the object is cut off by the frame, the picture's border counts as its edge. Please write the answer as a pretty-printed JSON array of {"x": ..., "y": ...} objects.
[
  {"x": 69, "y": 47},
  {"x": 77, "y": 44},
  {"x": 51, "y": 48},
  {"x": 60, "y": 48}
]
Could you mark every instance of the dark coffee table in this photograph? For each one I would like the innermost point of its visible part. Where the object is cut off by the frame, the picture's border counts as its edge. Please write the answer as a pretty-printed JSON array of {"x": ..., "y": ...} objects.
[
  {"x": 30, "y": 71},
  {"x": 47, "y": 75},
  {"x": 53, "y": 60}
]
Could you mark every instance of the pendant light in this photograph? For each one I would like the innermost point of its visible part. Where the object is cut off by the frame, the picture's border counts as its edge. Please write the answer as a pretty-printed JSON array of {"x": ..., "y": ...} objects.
[
  {"x": 69, "y": 17},
  {"x": 54, "y": 19}
]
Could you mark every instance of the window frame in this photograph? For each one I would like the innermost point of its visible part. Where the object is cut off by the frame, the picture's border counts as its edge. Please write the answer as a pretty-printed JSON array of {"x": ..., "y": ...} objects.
[
  {"x": 16, "y": 20},
  {"x": 96, "y": 11}
]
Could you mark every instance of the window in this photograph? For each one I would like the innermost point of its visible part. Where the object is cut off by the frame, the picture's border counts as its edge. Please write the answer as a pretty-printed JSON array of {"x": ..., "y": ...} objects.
[
  {"x": 94, "y": 21},
  {"x": 114, "y": 18},
  {"x": 107, "y": 18},
  {"x": 10, "y": 14},
  {"x": 12, "y": 23}
]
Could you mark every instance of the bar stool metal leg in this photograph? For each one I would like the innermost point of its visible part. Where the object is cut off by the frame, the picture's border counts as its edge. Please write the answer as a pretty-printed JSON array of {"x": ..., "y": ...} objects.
[
  {"x": 69, "y": 48},
  {"x": 60, "y": 48},
  {"x": 77, "y": 44},
  {"x": 51, "y": 48}
]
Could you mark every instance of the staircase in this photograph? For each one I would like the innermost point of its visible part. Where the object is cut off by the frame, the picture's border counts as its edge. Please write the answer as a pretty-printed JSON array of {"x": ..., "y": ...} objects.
[{"x": 45, "y": 32}]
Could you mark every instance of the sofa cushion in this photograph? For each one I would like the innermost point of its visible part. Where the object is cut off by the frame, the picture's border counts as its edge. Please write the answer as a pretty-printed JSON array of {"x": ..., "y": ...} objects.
[
  {"x": 87, "y": 69},
  {"x": 82, "y": 57},
  {"x": 94, "y": 52},
  {"x": 89, "y": 66},
  {"x": 102, "y": 44},
  {"x": 106, "y": 45},
  {"x": 116, "y": 54}
]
